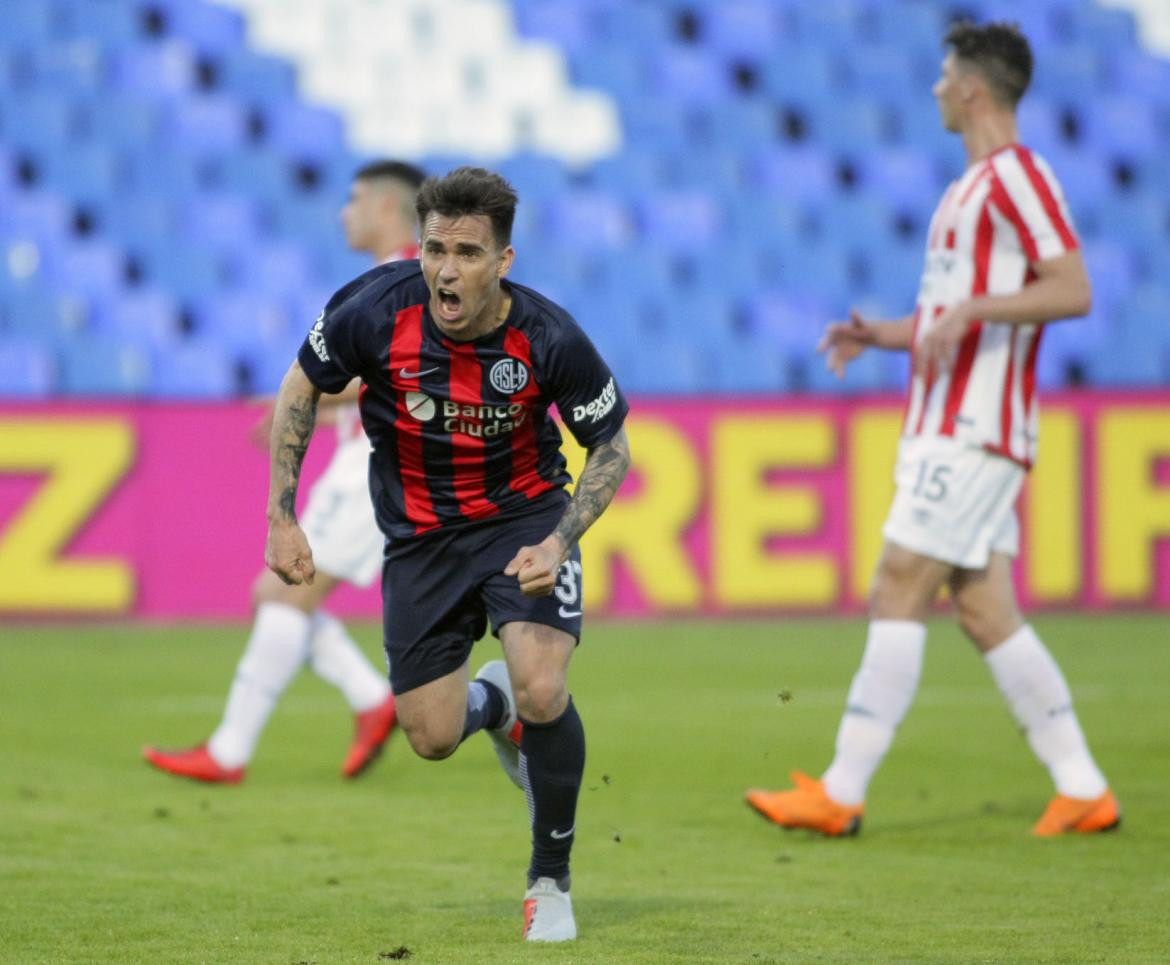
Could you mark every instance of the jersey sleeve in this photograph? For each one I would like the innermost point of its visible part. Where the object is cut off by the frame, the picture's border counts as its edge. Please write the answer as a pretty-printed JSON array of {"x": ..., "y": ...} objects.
[
  {"x": 1030, "y": 197},
  {"x": 583, "y": 388},
  {"x": 334, "y": 351}
]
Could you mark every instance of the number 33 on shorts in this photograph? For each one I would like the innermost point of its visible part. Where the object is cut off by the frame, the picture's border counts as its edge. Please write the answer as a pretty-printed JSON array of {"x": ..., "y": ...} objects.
[{"x": 568, "y": 589}]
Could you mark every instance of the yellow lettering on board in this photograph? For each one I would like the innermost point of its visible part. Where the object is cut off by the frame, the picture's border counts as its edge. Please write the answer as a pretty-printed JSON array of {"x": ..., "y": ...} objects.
[
  {"x": 873, "y": 452},
  {"x": 84, "y": 459},
  {"x": 746, "y": 511},
  {"x": 1053, "y": 522},
  {"x": 646, "y": 529},
  {"x": 1133, "y": 512}
]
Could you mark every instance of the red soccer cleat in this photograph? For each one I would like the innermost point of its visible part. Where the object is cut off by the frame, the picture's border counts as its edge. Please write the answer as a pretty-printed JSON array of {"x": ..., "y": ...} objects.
[
  {"x": 197, "y": 764},
  {"x": 371, "y": 729}
]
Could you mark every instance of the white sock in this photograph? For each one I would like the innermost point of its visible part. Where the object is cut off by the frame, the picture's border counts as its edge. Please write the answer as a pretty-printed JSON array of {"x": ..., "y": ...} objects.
[
  {"x": 882, "y": 691},
  {"x": 335, "y": 658},
  {"x": 276, "y": 650},
  {"x": 1041, "y": 703}
]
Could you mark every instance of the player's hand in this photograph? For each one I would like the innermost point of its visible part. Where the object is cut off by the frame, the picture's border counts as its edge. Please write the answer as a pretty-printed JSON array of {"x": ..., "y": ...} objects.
[
  {"x": 537, "y": 567},
  {"x": 287, "y": 553},
  {"x": 936, "y": 349},
  {"x": 844, "y": 341}
]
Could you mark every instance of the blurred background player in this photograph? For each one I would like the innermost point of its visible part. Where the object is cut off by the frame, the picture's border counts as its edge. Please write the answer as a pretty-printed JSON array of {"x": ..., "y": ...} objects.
[
  {"x": 291, "y": 628},
  {"x": 461, "y": 368},
  {"x": 1002, "y": 259}
]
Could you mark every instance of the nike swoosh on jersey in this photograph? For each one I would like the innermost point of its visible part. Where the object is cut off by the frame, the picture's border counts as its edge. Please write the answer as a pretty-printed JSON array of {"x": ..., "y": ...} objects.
[
  {"x": 403, "y": 373},
  {"x": 568, "y": 614}
]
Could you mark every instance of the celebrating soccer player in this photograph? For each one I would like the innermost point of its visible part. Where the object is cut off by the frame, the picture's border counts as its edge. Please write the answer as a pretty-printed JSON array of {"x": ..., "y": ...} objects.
[
  {"x": 468, "y": 482},
  {"x": 1002, "y": 259}
]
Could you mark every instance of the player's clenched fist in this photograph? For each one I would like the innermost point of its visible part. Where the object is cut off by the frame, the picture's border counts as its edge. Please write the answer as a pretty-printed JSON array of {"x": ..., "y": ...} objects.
[
  {"x": 287, "y": 553},
  {"x": 537, "y": 567}
]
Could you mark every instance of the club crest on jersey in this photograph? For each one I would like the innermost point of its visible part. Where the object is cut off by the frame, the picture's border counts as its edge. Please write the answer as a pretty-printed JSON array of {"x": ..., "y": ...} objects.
[{"x": 508, "y": 376}]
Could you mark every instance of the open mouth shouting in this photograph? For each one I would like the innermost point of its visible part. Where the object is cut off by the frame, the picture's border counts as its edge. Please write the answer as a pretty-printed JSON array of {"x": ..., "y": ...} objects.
[{"x": 450, "y": 304}]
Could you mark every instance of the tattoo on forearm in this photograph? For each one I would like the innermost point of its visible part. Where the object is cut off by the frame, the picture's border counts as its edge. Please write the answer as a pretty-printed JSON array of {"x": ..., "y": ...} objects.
[
  {"x": 291, "y": 435},
  {"x": 605, "y": 468}
]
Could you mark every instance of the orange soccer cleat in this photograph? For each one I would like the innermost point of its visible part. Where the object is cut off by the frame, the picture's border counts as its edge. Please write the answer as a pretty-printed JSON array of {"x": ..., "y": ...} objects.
[
  {"x": 807, "y": 806},
  {"x": 371, "y": 729},
  {"x": 1071, "y": 815},
  {"x": 196, "y": 763}
]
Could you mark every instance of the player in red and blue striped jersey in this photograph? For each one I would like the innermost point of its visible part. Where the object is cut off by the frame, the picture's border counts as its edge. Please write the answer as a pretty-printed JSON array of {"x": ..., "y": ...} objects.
[{"x": 460, "y": 368}]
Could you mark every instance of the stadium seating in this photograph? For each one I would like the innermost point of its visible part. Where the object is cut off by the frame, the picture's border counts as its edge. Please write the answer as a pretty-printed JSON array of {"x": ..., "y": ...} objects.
[{"x": 714, "y": 179}]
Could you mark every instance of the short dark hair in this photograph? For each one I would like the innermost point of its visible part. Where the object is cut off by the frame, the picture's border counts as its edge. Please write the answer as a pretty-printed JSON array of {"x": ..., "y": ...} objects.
[
  {"x": 1000, "y": 52},
  {"x": 389, "y": 170},
  {"x": 469, "y": 190}
]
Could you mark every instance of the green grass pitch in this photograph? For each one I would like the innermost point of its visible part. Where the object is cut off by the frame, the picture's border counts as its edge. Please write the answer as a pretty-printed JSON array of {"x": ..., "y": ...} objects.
[{"x": 104, "y": 860}]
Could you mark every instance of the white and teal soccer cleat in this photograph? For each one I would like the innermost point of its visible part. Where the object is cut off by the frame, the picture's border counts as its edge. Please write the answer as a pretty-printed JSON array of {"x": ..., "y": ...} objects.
[
  {"x": 506, "y": 737},
  {"x": 548, "y": 913}
]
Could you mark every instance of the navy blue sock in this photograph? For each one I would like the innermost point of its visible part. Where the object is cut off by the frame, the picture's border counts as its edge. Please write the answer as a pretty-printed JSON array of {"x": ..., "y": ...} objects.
[
  {"x": 485, "y": 707},
  {"x": 552, "y": 761}
]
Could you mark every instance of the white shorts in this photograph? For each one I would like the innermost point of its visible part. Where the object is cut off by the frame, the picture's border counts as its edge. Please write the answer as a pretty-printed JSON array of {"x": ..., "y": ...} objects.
[
  {"x": 339, "y": 518},
  {"x": 954, "y": 502}
]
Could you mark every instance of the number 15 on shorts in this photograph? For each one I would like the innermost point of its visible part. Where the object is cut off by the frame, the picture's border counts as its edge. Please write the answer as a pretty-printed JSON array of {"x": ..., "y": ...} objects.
[{"x": 932, "y": 481}]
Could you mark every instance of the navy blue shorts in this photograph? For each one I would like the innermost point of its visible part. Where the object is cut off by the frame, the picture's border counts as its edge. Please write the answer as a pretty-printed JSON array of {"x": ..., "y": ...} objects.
[{"x": 439, "y": 592}]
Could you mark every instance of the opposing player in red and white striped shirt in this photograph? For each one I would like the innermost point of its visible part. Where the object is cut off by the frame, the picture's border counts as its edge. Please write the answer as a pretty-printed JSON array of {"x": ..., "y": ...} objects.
[{"x": 1002, "y": 259}]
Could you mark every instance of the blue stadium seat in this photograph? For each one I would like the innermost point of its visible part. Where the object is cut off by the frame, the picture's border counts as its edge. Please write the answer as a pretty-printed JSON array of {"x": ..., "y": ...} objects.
[
  {"x": 37, "y": 121},
  {"x": 122, "y": 120},
  {"x": 570, "y": 26},
  {"x": 1109, "y": 29},
  {"x": 148, "y": 316},
  {"x": 196, "y": 369},
  {"x": 75, "y": 67},
  {"x": 93, "y": 267},
  {"x": 27, "y": 24},
  {"x": 223, "y": 221},
  {"x": 1122, "y": 126},
  {"x": 827, "y": 22},
  {"x": 243, "y": 318},
  {"x": 209, "y": 27},
  {"x": 104, "y": 367},
  {"x": 303, "y": 131},
  {"x": 746, "y": 366},
  {"x": 742, "y": 29},
  {"x": 680, "y": 220},
  {"x": 256, "y": 78},
  {"x": 51, "y": 315},
  {"x": 1143, "y": 75},
  {"x": 165, "y": 68},
  {"x": 1069, "y": 73},
  {"x": 187, "y": 270},
  {"x": 882, "y": 71},
  {"x": 27, "y": 369},
  {"x": 206, "y": 124},
  {"x": 588, "y": 219},
  {"x": 88, "y": 172},
  {"x": 905, "y": 177},
  {"x": 37, "y": 214},
  {"x": 805, "y": 173},
  {"x": 795, "y": 71},
  {"x": 109, "y": 24}
]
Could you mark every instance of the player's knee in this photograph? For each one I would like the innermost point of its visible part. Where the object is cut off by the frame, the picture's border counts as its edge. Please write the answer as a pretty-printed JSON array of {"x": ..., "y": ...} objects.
[
  {"x": 429, "y": 740},
  {"x": 540, "y": 698},
  {"x": 988, "y": 630}
]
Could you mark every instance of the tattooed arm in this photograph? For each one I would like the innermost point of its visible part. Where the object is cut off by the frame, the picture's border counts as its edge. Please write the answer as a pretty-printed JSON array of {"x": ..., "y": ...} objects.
[
  {"x": 536, "y": 567},
  {"x": 287, "y": 551}
]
